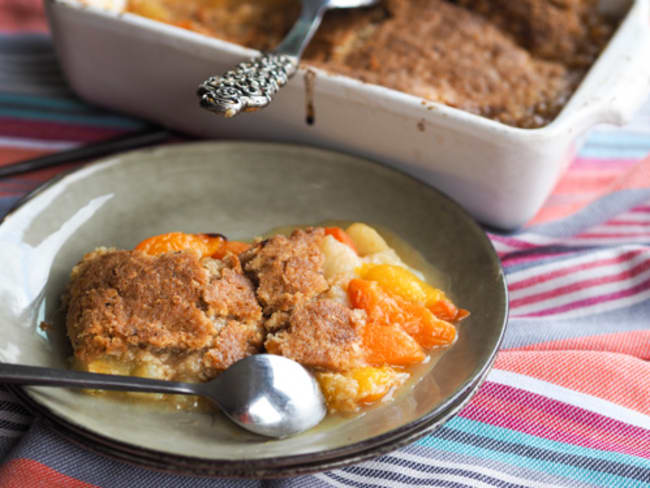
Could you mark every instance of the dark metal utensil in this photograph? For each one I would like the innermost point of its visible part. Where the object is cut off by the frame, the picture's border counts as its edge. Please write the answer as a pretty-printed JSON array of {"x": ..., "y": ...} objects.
[{"x": 132, "y": 140}]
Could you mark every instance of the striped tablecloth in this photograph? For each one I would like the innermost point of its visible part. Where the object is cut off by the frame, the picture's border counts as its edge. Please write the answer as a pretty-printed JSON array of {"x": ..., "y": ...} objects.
[{"x": 568, "y": 400}]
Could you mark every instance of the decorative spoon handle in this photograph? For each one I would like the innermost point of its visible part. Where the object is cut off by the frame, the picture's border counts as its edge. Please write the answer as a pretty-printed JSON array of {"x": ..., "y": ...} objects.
[
  {"x": 251, "y": 85},
  {"x": 36, "y": 375}
]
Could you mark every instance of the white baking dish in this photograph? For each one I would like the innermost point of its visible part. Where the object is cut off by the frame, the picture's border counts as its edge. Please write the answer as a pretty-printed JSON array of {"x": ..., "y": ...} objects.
[{"x": 501, "y": 174}]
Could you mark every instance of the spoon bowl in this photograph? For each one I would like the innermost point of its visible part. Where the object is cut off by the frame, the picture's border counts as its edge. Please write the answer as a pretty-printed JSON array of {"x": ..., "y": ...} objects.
[{"x": 266, "y": 394}]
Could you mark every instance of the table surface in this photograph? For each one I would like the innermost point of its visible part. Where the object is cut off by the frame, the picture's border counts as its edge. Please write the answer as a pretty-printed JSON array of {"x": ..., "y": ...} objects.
[{"x": 568, "y": 400}]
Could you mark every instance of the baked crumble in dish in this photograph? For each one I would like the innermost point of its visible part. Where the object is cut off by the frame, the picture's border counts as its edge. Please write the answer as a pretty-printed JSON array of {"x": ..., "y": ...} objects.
[
  {"x": 514, "y": 61},
  {"x": 184, "y": 307}
]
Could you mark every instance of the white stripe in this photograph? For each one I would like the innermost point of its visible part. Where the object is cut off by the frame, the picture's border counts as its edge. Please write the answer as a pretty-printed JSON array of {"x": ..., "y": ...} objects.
[
  {"x": 605, "y": 241},
  {"x": 595, "y": 309},
  {"x": 582, "y": 294},
  {"x": 22, "y": 143},
  {"x": 400, "y": 484},
  {"x": 571, "y": 260},
  {"x": 570, "y": 397},
  {"x": 578, "y": 276},
  {"x": 326, "y": 479},
  {"x": 15, "y": 417},
  {"x": 500, "y": 475}
]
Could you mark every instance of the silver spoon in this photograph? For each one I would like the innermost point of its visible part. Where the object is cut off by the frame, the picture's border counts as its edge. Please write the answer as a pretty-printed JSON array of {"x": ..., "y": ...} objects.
[
  {"x": 252, "y": 84},
  {"x": 266, "y": 394}
]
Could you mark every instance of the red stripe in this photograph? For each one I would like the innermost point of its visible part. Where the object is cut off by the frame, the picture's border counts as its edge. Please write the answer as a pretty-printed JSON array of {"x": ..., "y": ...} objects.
[
  {"x": 20, "y": 185},
  {"x": 22, "y": 16},
  {"x": 565, "y": 270},
  {"x": 645, "y": 286},
  {"x": 55, "y": 131},
  {"x": 27, "y": 473},
  {"x": 625, "y": 223},
  {"x": 583, "y": 285},
  {"x": 615, "y": 377},
  {"x": 512, "y": 408}
]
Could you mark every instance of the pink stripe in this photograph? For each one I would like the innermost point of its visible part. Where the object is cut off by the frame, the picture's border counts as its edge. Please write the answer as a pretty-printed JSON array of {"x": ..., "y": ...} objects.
[
  {"x": 600, "y": 163},
  {"x": 641, "y": 209},
  {"x": 645, "y": 286},
  {"x": 572, "y": 269},
  {"x": 619, "y": 235},
  {"x": 512, "y": 242},
  {"x": 55, "y": 131},
  {"x": 582, "y": 285},
  {"x": 512, "y": 408}
]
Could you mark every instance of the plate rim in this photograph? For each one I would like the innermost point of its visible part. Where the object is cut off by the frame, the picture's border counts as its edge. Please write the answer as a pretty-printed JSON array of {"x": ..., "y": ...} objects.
[
  {"x": 275, "y": 466},
  {"x": 240, "y": 469}
]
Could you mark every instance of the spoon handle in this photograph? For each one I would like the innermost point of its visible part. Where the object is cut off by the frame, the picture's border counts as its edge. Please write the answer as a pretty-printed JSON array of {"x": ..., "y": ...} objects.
[
  {"x": 35, "y": 375},
  {"x": 251, "y": 85}
]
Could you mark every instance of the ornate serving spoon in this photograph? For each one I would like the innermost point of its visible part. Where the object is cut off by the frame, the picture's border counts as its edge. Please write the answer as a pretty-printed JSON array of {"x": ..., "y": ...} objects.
[
  {"x": 264, "y": 393},
  {"x": 252, "y": 84}
]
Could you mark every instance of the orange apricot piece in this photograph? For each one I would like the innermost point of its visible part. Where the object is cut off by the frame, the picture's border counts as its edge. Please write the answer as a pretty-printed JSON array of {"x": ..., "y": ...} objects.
[
  {"x": 201, "y": 244},
  {"x": 384, "y": 340},
  {"x": 390, "y": 344},
  {"x": 428, "y": 330},
  {"x": 444, "y": 309},
  {"x": 213, "y": 245},
  {"x": 385, "y": 309}
]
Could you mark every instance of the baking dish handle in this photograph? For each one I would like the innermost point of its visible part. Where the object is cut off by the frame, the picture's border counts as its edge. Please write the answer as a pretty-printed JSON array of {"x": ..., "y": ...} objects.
[{"x": 619, "y": 82}]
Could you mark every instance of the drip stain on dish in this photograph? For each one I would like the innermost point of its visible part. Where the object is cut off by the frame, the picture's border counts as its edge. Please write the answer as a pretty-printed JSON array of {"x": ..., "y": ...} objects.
[{"x": 310, "y": 81}]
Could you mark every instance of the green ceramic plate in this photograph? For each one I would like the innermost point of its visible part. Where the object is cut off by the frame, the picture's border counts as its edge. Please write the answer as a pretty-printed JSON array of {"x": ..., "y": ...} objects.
[{"x": 241, "y": 190}]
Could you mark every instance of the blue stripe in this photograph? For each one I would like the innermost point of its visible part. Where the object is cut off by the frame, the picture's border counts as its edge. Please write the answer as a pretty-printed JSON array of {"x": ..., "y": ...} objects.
[
  {"x": 613, "y": 152},
  {"x": 462, "y": 424},
  {"x": 447, "y": 438},
  {"x": 59, "y": 103},
  {"x": 425, "y": 469},
  {"x": 99, "y": 120},
  {"x": 483, "y": 464},
  {"x": 617, "y": 145},
  {"x": 7, "y": 203}
]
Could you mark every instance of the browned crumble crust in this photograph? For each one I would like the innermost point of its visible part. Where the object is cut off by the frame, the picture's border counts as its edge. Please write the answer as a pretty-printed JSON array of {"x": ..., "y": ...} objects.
[
  {"x": 287, "y": 270},
  {"x": 321, "y": 334},
  {"x": 120, "y": 303},
  {"x": 568, "y": 31},
  {"x": 515, "y": 61}
]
